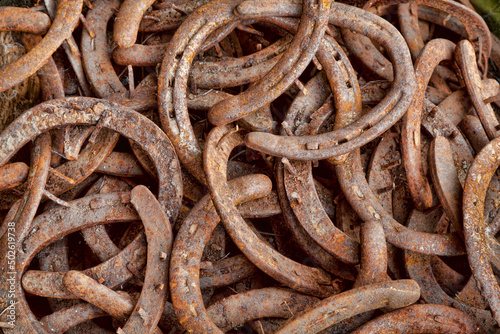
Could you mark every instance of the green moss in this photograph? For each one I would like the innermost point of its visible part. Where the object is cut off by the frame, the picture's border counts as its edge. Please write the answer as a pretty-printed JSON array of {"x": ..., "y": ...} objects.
[{"x": 490, "y": 10}]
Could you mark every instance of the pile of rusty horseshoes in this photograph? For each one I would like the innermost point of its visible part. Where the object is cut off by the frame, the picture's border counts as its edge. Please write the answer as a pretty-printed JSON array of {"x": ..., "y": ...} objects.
[{"x": 251, "y": 166}]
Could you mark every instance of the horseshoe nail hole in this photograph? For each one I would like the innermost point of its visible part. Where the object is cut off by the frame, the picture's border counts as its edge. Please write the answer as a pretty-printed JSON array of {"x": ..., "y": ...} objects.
[
  {"x": 433, "y": 112},
  {"x": 343, "y": 141},
  {"x": 348, "y": 84},
  {"x": 312, "y": 146},
  {"x": 193, "y": 229},
  {"x": 337, "y": 56}
]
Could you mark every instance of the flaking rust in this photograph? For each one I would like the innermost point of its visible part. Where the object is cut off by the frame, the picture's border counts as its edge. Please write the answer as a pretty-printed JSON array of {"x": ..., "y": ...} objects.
[{"x": 262, "y": 166}]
